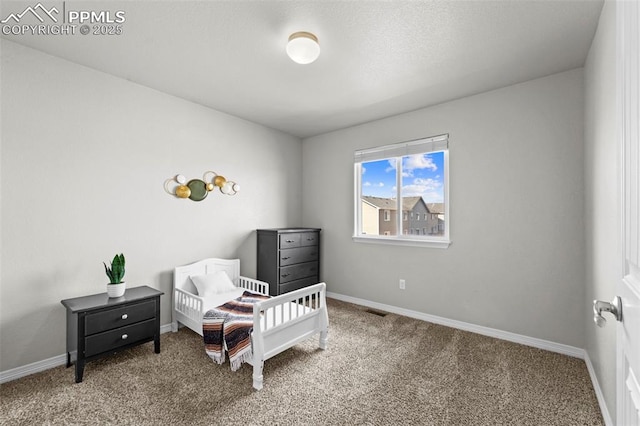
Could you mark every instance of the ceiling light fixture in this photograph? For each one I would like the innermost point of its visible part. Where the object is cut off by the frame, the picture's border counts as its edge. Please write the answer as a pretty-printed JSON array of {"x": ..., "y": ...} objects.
[{"x": 303, "y": 47}]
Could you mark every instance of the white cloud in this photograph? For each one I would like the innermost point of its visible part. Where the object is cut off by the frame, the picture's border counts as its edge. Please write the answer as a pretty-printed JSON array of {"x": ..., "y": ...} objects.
[
  {"x": 418, "y": 161},
  {"x": 429, "y": 189},
  {"x": 427, "y": 183},
  {"x": 367, "y": 183},
  {"x": 392, "y": 166}
]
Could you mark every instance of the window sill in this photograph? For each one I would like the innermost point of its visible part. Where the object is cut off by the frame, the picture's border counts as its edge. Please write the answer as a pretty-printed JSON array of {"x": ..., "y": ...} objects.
[{"x": 400, "y": 241}]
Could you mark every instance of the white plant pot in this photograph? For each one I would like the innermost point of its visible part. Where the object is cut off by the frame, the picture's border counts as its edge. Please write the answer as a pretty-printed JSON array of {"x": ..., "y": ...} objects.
[{"x": 116, "y": 290}]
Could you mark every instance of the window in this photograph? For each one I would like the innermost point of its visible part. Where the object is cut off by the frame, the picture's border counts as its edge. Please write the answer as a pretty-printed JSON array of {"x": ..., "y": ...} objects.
[{"x": 396, "y": 180}]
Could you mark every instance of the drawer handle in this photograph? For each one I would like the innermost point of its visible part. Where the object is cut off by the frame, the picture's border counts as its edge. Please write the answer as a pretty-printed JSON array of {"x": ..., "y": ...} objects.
[
  {"x": 290, "y": 241},
  {"x": 124, "y": 337},
  {"x": 286, "y": 257},
  {"x": 284, "y": 275},
  {"x": 125, "y": 316}
]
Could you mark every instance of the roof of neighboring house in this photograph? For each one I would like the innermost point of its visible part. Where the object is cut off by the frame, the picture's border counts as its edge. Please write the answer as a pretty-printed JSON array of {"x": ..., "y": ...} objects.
[
  {"x": 436, "y": 208},
  {"x": 367, "y": 202},
  {"x": 408, "y": 203},
  {"x": 381, "y": 203}
]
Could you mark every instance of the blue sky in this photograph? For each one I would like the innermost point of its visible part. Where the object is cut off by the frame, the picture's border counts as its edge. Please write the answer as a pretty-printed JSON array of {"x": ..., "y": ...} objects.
[{"x": 422, "y": 175}]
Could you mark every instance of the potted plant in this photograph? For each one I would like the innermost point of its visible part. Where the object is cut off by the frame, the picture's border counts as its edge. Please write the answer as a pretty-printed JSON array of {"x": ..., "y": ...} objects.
[{"x": 116, "y": 285}]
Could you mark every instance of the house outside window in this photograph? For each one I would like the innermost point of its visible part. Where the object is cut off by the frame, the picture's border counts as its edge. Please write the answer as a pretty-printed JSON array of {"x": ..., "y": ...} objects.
[{"x": 407, "y": 184}]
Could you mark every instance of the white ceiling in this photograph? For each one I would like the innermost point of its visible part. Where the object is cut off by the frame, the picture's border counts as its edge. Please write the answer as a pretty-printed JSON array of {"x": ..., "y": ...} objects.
[{"x": 378, "y": 58}]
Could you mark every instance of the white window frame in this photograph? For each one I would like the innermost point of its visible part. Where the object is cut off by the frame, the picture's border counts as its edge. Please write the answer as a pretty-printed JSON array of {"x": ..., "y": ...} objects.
[{"x": 418, "y": 146}]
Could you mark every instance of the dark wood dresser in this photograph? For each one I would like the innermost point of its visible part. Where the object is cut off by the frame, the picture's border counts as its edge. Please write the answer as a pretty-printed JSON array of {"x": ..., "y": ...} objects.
[
  {"x": 98, "y": 325},
  {"x": 288, "y": 258}
]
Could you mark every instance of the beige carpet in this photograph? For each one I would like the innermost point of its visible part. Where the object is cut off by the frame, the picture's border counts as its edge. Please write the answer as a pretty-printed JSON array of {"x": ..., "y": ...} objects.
[{"x": 377, "y": 371}]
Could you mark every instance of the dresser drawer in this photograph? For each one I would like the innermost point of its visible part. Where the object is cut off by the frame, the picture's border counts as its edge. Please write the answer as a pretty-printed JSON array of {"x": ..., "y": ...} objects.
[
  {"x": 297, "y": 284},
  {"x": 118, "y": 317},
  {"x": 309, "y": 239},
  {"x": 113, "y": 339},
  {"x": 289, "y": 240},
  {"x": 298, "y": 255},
  {"x": 295, "y": 272}
]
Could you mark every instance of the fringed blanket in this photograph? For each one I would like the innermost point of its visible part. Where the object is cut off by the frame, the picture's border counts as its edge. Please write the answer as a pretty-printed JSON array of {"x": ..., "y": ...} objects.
[{"x": 231, "y": 324}]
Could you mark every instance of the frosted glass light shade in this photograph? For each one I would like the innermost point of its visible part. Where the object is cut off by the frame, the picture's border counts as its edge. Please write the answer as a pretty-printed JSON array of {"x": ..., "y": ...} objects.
[{"x": 303, "y": 47}]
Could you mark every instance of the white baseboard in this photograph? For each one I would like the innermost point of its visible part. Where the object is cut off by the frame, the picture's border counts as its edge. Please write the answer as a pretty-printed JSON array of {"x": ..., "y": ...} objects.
[
  {"x": 38, "y": 366},
  {"x": 599, "y": 395},
  {"x": 486, "y": 331}
]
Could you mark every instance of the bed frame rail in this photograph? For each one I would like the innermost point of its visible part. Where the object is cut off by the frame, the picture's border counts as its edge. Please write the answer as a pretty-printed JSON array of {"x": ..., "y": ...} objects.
[
  {"x": 297, "y": 321},
  {"x": 187, "y": 310},
  {"x": 253, "y": 285}
]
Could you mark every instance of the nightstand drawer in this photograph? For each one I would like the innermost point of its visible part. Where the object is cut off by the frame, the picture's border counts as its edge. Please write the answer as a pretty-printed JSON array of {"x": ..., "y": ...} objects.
[
  {"x": 122, "y": 336},
  {"x": 119, "y": 317},
  {"x": 298, "y": 255},
  {"x": 296, "y": 272}
]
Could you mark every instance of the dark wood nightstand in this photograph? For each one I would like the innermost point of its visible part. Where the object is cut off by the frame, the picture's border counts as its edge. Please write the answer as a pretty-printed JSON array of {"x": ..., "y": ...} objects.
[{"x": 98, "y": 325}]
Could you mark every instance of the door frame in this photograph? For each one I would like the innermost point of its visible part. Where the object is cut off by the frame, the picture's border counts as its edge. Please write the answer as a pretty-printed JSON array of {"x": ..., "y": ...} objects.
[{"x": 628, "y": 132}]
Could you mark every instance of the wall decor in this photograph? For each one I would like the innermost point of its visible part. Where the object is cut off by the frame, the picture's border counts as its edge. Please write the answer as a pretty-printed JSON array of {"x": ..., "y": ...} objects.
[{"x": 198, "y": 189}]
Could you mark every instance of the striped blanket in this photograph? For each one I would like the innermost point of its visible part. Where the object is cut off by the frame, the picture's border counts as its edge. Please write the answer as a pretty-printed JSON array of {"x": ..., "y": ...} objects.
[{"x": 231, "y": 325}]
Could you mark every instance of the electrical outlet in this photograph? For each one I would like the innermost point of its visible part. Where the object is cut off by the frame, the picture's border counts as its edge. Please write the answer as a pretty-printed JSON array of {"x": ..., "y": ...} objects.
[{"x": 402, "y": 284}]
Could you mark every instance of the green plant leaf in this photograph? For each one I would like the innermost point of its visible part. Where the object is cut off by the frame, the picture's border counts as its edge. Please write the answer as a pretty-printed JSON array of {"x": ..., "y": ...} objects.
[{"x": 116, "y": 272}]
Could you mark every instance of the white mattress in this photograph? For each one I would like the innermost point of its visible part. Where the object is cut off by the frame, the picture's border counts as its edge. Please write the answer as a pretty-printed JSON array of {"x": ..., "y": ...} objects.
[{"x": 291, "y": 309}]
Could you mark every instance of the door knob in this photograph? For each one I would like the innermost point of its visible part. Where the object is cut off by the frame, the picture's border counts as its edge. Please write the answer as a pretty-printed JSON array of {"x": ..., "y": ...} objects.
[{"x": 614, "y": 308}]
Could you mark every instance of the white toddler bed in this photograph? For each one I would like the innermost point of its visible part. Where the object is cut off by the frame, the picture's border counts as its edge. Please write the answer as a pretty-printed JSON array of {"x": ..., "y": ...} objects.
[{"x": 279, "y": 322}]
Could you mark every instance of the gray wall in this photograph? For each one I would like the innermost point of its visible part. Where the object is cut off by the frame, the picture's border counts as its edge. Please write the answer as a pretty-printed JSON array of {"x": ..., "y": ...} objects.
[
  {"x": 84, "y": 159},
  {"x": 602, "y": 198},
  {"x": 516, "y": 160}
]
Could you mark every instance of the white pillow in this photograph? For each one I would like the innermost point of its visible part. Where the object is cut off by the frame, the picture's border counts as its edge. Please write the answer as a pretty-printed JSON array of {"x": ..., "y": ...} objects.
[{"x": 209, "y": 284}]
